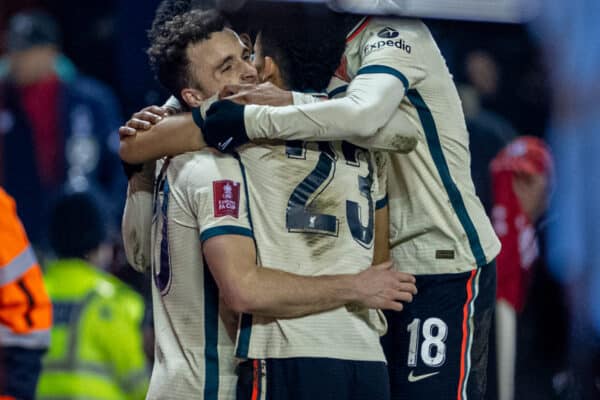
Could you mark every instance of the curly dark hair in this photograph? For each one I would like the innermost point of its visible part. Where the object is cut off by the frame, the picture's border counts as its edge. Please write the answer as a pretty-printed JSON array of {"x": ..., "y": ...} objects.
[
  {"x": 169, "y": 9},
  {"x": 306, "y": 41},
  {"x": 168, "y": 50}
]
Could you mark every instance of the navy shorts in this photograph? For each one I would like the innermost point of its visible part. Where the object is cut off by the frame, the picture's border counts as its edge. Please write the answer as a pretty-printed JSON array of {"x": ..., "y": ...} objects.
[
  {"x": 312, "y": 379},
  {"x": 437, "y": 347}
]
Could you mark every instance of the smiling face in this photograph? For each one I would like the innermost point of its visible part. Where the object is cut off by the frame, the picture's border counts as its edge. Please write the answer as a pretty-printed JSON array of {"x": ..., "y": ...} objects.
[{"x": 215, "y": 62}]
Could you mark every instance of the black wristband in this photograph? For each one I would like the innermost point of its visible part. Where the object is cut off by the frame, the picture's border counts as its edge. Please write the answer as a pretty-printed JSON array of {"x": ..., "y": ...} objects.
[{"x": 224, "y": 127}]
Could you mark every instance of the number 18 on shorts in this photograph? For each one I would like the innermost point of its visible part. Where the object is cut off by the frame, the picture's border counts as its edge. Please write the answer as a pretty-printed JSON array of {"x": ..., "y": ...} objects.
[{"x": 437, "y": 346}]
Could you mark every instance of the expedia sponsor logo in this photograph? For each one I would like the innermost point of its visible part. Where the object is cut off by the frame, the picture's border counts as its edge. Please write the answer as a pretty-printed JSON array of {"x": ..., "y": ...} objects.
[
  {"x": 399, "y": 44},
  {"x": 388, "y": 33}
]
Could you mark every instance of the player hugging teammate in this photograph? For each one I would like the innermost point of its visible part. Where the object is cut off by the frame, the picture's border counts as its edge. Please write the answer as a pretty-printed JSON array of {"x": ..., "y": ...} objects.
[{"x": 379, "y": 169}]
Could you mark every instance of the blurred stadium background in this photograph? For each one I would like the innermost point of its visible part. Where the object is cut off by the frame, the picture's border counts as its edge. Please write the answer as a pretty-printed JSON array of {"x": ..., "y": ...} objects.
[{"x": 522, "y": 67}]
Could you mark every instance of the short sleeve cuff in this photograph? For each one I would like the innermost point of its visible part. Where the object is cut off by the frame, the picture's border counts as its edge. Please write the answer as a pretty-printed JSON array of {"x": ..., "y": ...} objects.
[
  {"x": 225, "y": 230},
  {"x": 379, "y": 204},
  {"x": 384, "y": 69}
]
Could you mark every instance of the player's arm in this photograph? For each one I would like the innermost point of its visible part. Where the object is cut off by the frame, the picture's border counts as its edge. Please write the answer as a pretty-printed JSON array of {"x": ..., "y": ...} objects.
[
  {"x": 369, "y": 103},
  {"x": 151, "y": 133},
  {"x": 249, "y": 288},
  {"x": 371, "y": 99},
  {"x": 382, "y": 235},
  {"x": 382, "y": 215},
  {"x": 170, "y": 136},
  {"x": 399, "y": 134},
  {"x": 137, "y": 218},
  {"x": 228, "y": 246}
]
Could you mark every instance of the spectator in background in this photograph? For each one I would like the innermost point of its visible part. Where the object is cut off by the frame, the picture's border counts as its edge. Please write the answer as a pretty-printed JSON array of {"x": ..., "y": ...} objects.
[
  {"x": 96, "y": 346},
  {"x": 569, "y": 32},
  {"x": 488, "y": 134},
  {"x": 56, "y": 125},
  {"x": 521, "y": 176},
  {"x": 25, "y": 310}
]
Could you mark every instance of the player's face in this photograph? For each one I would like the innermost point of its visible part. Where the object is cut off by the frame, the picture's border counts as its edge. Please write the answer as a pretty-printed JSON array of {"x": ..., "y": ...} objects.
[{"x": 221, "y": 60}]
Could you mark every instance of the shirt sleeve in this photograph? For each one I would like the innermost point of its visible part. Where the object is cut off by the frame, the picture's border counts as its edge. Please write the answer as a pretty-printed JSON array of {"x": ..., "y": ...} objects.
[
  {"x": 369, "y": 103},
  {"x": 384, "y": 76},
  {"x": 394, "y": 49},
  {"x": 219, "y": 201},
  {"x": 305, "y": 98},
  {"x": 136, "y": 225},
  {"x": 173, "y": 104},
  {"x": 136, "y": 228},
  {"x": 399, "y": 134}
]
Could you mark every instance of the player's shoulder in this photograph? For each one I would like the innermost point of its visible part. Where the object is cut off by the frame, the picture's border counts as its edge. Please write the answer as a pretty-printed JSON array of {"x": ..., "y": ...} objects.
[
  {"x": 406, "y": 34},
  {"x": 389, "y": 28},
  {"x": 201, "y": 168},
  {"x": 378, "y": 35}
]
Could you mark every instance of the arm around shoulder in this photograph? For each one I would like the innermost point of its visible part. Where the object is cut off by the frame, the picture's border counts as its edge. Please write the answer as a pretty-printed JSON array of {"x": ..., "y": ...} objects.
[{"x": 172, "y": 136}]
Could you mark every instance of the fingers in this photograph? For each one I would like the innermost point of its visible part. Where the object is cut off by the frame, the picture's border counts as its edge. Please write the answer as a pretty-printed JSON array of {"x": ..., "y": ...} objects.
[
  {"x": 402, "y": 278},
  {"x": 239, "y": 98},
  {"x": 392, "y": 305},
  {"x": 242, "y": 87},
  {"x": 156, "y": 110},
  {"x": 143, "y": 120},
  {"x": 383, "y": 266},
  {"x": 125, "y": 131},
  {"x": 403, "y": 296},
  {"x": 231, "y": 90},
  {"x": 138, "y": 124},
  {"x": 268, "y": 84},
  {"x": 391, "y": 299},
  {"x": 407, "y": 287},
  {"x": 147, "y": 116}
]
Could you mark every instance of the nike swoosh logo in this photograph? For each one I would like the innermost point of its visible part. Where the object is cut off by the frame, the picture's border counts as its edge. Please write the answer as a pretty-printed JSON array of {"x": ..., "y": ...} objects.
[
  {"x": 223, "y": 145},
  {"x": 412, "y": 378}
]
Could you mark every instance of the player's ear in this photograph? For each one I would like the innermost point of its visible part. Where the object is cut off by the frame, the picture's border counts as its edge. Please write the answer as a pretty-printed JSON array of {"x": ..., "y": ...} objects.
[
  {"x": 192, "y": 97},
  {"x": 270, "y": 71}
]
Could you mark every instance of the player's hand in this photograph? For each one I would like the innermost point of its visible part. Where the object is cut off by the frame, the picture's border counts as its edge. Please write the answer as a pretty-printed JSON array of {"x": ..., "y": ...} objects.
[
  {"x": 230, "y": 92},
  {"x": 265, "y": 94},
  {"x": 382, "y": 287},
  {"x": 143, "y": 120}
]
